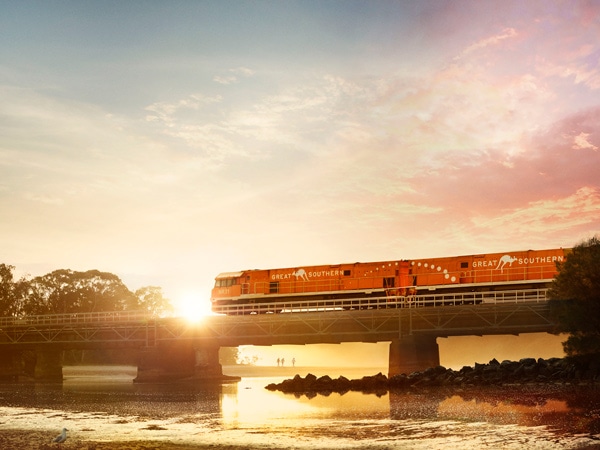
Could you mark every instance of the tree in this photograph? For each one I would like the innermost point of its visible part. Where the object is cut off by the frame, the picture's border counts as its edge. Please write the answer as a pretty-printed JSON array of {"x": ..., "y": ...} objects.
[
  {"x": 229, "y": 356},
  {"x": 12, "y": 293},
  {"x": 8, "y": 300},
  {"x": 575, "y": 298},
  {"x": 66, "y": 291},
  {"x": 152, "y": 300}
]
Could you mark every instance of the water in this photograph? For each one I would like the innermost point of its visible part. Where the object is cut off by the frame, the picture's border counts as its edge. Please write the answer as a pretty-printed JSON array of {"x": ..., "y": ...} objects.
[{"x": 105, "y": 406}]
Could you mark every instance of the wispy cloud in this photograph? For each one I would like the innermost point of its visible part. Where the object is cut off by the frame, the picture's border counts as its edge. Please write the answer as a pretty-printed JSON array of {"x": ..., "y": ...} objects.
[
  {"x": 225, "y": 80},
  {"x": 233, "y": 75},
  {"x": 551, "y": 217},
  {"x": 580, "y": 72},
  {"x": 507, "y": 33}
]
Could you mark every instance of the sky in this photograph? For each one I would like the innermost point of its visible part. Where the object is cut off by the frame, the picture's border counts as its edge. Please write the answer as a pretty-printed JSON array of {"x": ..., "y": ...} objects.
[{"x": 166, "y": 142}]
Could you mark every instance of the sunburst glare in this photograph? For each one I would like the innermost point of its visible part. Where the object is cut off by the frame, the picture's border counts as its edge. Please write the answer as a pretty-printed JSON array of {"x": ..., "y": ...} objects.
[{"x": 193, "y": 306}]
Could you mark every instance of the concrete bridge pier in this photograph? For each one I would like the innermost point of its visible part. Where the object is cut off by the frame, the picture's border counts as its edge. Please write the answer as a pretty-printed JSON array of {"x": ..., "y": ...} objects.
[
  {"x": 178, "y": 362},
  {"x": 207, "y": 365},
  {"x": 11, "y": 366},
  {"x": 412, "y": 354},
  {"x": 48, "y": 365}
]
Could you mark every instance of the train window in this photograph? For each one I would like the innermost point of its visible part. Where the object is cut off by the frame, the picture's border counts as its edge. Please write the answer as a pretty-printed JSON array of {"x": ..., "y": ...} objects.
[
  {"x": 347, "y": 273},
  {"x": 273, "y": 287},
  {"x": 389, "y": 282},
  {"x": 464, "y": 265},
  {"x": 225, "y": 282}
]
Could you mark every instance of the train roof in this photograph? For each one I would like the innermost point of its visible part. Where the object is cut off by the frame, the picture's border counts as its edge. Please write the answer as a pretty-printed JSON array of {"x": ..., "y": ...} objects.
[
  {"x": 478, "y": 255},
  {"x": 229, "y": 275}
]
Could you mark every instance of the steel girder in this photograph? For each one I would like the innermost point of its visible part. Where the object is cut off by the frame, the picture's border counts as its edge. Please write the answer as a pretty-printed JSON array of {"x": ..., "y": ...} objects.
[{"x": 286, "y": 328}]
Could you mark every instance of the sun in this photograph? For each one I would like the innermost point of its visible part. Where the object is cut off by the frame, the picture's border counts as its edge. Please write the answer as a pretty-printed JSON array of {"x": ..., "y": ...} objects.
[{"x": 192, "y": 306}]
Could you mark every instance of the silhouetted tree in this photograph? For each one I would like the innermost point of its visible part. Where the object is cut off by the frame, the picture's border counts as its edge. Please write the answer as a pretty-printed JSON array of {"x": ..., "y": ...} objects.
[
  {"x": 66, "y": 291},
  {"x": 229, "y": 355},
  {"x": 12, "y": 293},
  {"x": 8, "y": 300},
  {"x": 152, "y": 300},
  {"x": 575, "y": 298}
]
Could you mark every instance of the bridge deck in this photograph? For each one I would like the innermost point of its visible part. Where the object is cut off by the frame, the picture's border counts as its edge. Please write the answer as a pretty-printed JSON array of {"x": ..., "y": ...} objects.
[{"x": 332, "y": 321}]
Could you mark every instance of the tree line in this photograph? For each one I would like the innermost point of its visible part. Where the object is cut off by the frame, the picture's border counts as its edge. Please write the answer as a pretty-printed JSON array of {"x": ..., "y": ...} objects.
[{"x": 68, "y": 291}]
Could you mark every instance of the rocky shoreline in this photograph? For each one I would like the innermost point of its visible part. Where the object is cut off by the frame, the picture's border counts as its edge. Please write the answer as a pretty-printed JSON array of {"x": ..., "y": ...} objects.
[{"x": 570, "y": 370}]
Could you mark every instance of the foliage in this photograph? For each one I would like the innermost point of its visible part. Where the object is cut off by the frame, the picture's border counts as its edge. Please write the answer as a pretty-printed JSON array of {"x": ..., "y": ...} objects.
[
  {"x": 8, "y": 301},
  {"x": 12, "y": 292},
  {"x": 575, "y": 298},
  {"x": 248, "y": 360},
  {"x": 152, "y": 300},
  {"x": 68, "y": 291},
  {"x": 229, "y": 356}
]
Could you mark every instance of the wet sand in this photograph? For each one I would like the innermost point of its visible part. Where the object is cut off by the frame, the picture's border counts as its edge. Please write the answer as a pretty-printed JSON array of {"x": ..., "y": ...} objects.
[{"x": 42, "y": 440}]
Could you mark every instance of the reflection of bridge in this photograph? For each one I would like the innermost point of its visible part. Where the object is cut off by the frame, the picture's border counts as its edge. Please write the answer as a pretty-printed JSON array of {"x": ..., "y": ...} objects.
[{"x": 175, "y": 348}]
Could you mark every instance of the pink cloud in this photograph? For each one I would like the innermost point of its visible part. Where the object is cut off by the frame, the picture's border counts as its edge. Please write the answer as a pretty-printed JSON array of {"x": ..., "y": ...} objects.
[
  {"x": 490, "y": 181},
  {"x": 581, "y": 141}
]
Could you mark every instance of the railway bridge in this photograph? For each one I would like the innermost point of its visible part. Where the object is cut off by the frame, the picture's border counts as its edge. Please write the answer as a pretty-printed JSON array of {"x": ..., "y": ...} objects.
[{"x": 174, "y": 348}]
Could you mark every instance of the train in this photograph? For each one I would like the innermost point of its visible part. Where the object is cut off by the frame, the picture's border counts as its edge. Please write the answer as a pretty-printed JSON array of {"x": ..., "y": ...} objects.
[{"x": 467, "y": 279}]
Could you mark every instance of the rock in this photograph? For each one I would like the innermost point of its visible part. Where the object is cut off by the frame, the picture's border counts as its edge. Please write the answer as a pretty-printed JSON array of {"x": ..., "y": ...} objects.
[
  {"x": 528, "y": 361},
  {"x": 527, "y": 370},
  {"x": 466, "y": 369}
]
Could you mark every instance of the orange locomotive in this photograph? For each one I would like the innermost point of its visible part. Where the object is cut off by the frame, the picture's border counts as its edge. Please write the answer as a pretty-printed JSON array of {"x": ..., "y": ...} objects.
[{"x": 366, "y": 284}]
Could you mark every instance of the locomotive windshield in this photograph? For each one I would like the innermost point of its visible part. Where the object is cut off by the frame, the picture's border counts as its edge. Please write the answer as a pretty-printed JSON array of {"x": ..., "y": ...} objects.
[{"x": 227, "y": 279}]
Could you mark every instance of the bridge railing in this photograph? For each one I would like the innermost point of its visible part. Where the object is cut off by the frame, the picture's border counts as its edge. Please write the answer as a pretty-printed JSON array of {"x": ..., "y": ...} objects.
[
  {"x": 76, "y": 318},
  {"x": 430, "y": 299}
]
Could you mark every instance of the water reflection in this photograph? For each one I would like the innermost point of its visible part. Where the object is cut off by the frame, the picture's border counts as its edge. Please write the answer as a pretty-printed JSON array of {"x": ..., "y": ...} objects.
[
  {"x": 563, "y": 409},
  {"x": 248, "y": 406},
  {"x": 143, "y": 400},
  {"x": 568, "y": 409}
]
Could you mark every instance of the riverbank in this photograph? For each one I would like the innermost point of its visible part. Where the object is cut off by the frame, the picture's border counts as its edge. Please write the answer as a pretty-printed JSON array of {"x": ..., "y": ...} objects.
[
  {"x": 41, "y": 440},
  {"x": 252, "y": 371},
  {"x": 38, "y": 440}
]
